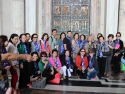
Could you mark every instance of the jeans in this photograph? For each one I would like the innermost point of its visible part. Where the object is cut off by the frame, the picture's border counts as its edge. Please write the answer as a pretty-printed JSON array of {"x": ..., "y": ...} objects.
[{"x": 92, "y": 74}]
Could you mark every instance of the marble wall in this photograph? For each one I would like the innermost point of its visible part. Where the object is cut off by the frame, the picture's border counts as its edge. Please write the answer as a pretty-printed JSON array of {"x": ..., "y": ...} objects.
[
  {"x": 19, "y": 16},
  {"x": 122, "y": 19},
  {"x": 0, "y": 16}
]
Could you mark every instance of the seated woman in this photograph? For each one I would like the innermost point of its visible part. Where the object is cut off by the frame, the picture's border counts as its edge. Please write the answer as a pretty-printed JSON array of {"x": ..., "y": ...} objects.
[
  {"x": 67, "y": 64},
  {"x": 45, "y": 67},
  {"x": 55, "y": 62},
  {"x": 81, "y": 62},
  {"x": 34, "y": 71},
  {"x": 93, "y": 65}
]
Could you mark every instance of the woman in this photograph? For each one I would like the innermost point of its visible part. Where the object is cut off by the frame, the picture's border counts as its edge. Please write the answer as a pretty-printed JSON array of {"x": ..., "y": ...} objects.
[
  {"x": 67, "y": 64},
  {"x": 55, "y": 62},
  {"x": 103, "y": 51},
  {"x": 89, "y": 45},
  {"x": 5, "y": 65},
  {"x": 60, "y": 46},
  {"x": 35, "y": 45},
  {"x": 82, "y": 41},
  {"x": 45, "y": 67},
  {"x": 81, "y": 62},
  {"x": 11, "y": 48},
  {"x": 75, "y": 45},
  {"x": 118, "y": 44},
  {"x": 93, "y": 65},
  {"x": 45, "y": 47},
  {"x": 24, "y": 78},
  {"x": 35, "y": 73},
  {"x": 109, "y": 58}
]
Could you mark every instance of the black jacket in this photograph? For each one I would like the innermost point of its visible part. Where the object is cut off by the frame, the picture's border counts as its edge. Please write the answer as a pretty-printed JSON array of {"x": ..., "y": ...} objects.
[
  {"x": 95, "y": 63},
  {"x": 64, "y": 63}
]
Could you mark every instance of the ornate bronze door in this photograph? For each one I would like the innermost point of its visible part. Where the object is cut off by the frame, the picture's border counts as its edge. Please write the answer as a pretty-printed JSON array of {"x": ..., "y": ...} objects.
[{"x": 71, "y": 15}]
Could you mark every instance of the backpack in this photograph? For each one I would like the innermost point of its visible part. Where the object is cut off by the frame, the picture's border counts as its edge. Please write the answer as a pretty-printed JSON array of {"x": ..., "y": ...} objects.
[{"x": 51, "y": 38}]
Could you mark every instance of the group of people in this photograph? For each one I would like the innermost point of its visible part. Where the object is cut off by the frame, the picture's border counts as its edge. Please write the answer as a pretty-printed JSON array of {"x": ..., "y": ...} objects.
[{"x": 80, "y": 55}]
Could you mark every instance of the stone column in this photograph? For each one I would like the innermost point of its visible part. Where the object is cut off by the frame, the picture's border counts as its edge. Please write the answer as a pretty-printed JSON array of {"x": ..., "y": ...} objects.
[
  {"x": 47, "y": 10},
  {"x": 112, "y": 17},
  {"x": 17, "y": 16},
  {"x": 39, "y": 18},
  {"x": 122, "y": 19},
  {"x": 30, "y": 16},
  {"x": 95, "y": 16},
  {"x": 103, "y": 17},
  {"x": 0, "y": 16}
]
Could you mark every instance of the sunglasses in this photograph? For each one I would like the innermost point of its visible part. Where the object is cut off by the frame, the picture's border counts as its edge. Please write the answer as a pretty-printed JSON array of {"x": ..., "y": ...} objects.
[
  {"x": 43, "y": 56},
  {"x": 35, "y": 37}
]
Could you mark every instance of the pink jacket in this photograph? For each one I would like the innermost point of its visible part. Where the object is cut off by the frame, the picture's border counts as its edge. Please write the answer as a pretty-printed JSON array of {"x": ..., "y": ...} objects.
[
  {"x": 47, "y": 45},
  {"x": 53, "y": 63}
]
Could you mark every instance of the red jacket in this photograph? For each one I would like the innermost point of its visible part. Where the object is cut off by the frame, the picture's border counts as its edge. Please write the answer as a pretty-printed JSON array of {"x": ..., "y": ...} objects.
[{"x": 78, "y": 61}]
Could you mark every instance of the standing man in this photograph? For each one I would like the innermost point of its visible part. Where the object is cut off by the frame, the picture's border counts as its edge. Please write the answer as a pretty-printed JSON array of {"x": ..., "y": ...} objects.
[
  {"x": 118, "y": 43},
  {"x": 67, "y": 42},
  {"x": 52, "y": 39}
]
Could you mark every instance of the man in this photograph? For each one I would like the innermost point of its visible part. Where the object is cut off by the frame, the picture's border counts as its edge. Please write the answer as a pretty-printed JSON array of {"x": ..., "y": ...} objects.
[
  {"x": 93, "y": 38},
  {"x": 28, "y": 42},
  {"x": 67, "y": 42},
  {"x": 120, "y": 52},
  {"x": 52, "y": 39},
  {"x": 118, "y": 44},
  {"x": 11, "y": 57}
]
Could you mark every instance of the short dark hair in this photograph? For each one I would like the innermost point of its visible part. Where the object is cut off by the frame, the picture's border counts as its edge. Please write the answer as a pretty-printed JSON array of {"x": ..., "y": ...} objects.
[
  {"x": 102, "y": 37},
  {"x": 75, "y": 35},
  {"x": 68, "y": 51},
  {"x": 3, "y": 39},
  {"x": 118, "y": 33},
  {"x": 33, "y": 36},
  {"x": 83, "y": 35},
  {"x": 54, "y": 30},
  {"x": 69, "y": 31},
  {"x": 12, "y": 36},
  {"x": 44, "y": 35},
  {"x": 54, "y": 50},
  {"x": 37, "y": 55},
  {"x": 111, "y": 35},
  {"x": 61, "y": 34},
  {"x": 92, "y": 50},
  {"x": 21, "y": 36},
  {"x": 99, "y": 34},
  {"x": 27, "y": 34},
  {"x": 43, "y": 53}
]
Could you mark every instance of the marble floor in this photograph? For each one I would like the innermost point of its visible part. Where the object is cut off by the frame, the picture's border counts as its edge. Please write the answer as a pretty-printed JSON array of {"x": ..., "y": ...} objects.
[{"x": 82, "y": 86}]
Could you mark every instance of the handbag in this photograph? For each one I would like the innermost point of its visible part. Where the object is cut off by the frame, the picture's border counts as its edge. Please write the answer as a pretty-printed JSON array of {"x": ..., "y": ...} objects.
[{"x": 56, "y": 80}]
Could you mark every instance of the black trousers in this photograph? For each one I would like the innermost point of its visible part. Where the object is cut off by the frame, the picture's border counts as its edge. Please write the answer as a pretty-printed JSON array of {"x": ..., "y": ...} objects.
[
  {"x": 101, "y": 64},
  {"x": 61, "y": 58},
  {"x": 116, "y": 64},
  {"x": 81, "y": 74}
]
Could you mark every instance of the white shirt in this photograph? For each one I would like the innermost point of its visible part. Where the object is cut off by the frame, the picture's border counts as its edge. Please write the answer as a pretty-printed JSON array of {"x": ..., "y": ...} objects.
[{"x": 12, "y": 49}]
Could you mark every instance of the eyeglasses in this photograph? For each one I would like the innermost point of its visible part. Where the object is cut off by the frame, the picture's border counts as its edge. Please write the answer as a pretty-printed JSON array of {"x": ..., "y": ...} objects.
[
  {"x": 43, "y": 56},
  {"x": 35, "y": 37}
]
